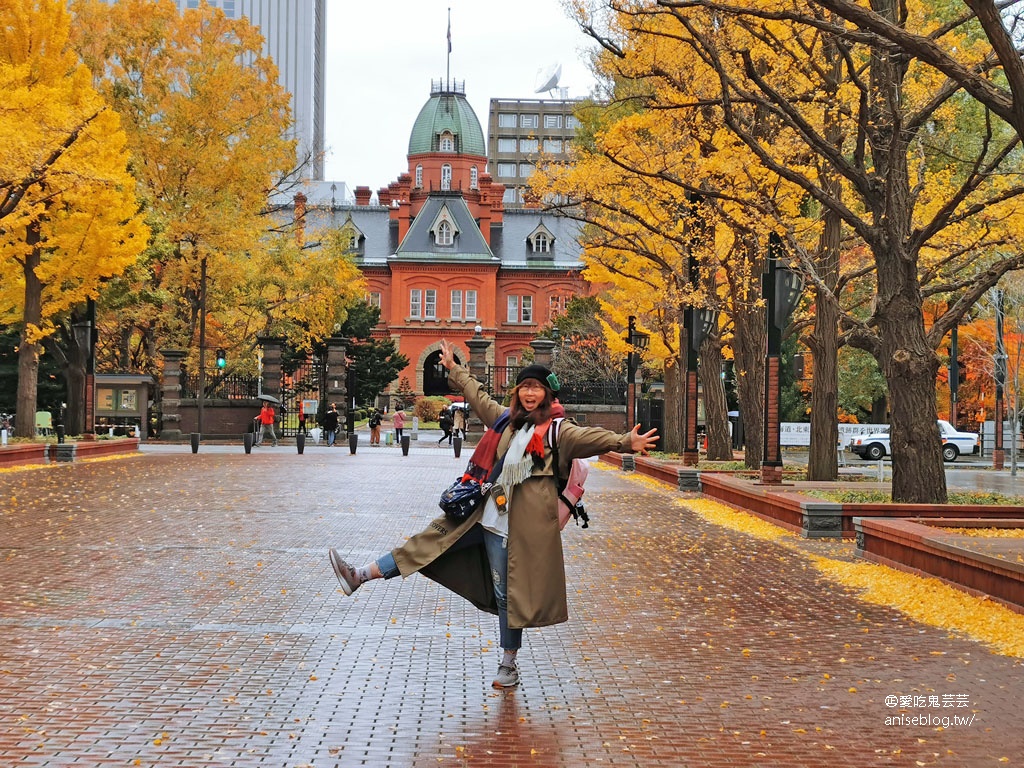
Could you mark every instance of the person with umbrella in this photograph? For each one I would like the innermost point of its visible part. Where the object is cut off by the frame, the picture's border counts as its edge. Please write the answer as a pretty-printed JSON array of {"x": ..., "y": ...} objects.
[{"x": 267, "y": 418}]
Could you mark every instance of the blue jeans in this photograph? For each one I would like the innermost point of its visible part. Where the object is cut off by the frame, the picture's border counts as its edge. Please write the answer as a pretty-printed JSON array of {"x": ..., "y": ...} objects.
[
  {"x": 331, "y": 434},
  {"x": 497, "y": 556}
]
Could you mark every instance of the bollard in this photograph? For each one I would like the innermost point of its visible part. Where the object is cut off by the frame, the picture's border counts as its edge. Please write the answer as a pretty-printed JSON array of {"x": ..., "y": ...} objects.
[
  {"x": 300, "y": 442},
  {"x": 247, "y": 442},
  {"x": 405, "y": 445},
  {"x": 353, "y": 441},
  {"x": 457, "y": 445},
  {"x": 195, "y": 442},
  {"x": 60, "y": 433}
]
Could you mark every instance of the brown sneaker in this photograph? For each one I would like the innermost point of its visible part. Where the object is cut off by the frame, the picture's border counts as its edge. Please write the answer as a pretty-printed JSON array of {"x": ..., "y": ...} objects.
[{"x": 346, "y": 573}]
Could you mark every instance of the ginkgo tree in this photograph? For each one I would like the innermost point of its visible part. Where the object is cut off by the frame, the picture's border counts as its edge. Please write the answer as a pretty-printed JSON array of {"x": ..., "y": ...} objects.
[
  {"x": 69, "y": 218},
  {"x": 886, "y": 145},
  {"x": 208, "y": 127}
]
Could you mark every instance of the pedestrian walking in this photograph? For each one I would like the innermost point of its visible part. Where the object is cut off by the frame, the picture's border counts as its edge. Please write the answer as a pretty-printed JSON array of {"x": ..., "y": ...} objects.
[
  {"x": 267, "y": 418},
  {"x": 459, "y": 422},
  {"x": 374, "y": 424},
  {"x": 446, "y": 422},
  {"x": 399, "y": 421},
  {"x": 506, "y": 557},
  {"x": 331, "y": 422}
]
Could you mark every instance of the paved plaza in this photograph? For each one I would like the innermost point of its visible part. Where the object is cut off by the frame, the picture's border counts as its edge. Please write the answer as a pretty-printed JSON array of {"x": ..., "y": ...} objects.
[{"x": 172, "y": 609}]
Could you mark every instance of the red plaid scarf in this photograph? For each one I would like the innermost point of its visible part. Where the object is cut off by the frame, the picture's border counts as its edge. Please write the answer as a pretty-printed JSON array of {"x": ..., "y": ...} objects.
[{"x": 482, "y": 462}]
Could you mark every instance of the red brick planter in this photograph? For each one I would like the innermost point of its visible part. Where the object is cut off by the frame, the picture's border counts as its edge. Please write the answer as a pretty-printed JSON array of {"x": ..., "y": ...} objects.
[
  {"x": 981, "y": 566},
  {"x": 21, "y": 454},
  {"x": 91, "y": 449}
]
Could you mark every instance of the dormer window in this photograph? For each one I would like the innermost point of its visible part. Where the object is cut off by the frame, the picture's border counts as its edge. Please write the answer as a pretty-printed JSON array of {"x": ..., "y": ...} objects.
[
  {"x": 540, "y": 242},
  {"x": 444, "y": 228},
  {"x": 444, "y": 233},
  {"x": 446, "y": 176},
  {"x": 447, "y": 142}
]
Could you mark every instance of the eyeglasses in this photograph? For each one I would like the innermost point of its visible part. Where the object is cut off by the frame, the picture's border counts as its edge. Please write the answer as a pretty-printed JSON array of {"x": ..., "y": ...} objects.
[{"x": 531, "y": 384}]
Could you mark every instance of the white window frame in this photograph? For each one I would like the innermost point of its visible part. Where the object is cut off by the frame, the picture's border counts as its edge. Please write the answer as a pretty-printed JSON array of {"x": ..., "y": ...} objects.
[
  {"x": 446, "y": 143},
  {"x": 527, "y": 145},
  {"x": 443, "y": 235},
  {"x": 509, "y": 195},
  {"x": 415, "y": 303},
  {"x": 571, "y": 121},
  {"x": 512, "y": 309},
  {"x": 526, "y": 170},
  {"x": 529, "y": 121},
  {"x": 471, "y": 305},
  {"x": 541, "y": 243},
  {"x": 526, "y": 309},
  {"x": 374, "y": 299},
  {"x": 506, "y": 144},
  {"x": 507, "y": 170},
  {"x": 430, "y": 304},
  {"x": 419, "y": 176},
  {"x": 553, "y": 146},
  {"x": 552, "y": 121},
  {"x": 474, "y": 177},
  {"x": 456, "y": 304},
  {"x": 446, "y": 176},
  {"x": 507, "y": 120}
]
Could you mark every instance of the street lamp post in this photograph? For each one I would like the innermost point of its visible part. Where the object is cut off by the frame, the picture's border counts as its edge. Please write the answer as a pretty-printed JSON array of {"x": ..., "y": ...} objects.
[
  {"x": 781, "y": 288},
  {"x": 201, "y": 394},
  {"x": 700, "y": 324},
  {"x": 85, "y": 340},
  {"x": 998, "y": 452},
  {"x": 637, "y": 340}
]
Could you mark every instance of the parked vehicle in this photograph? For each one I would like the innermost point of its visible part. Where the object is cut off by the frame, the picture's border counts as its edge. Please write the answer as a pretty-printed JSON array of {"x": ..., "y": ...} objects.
[{"x": 954, "y": 443}]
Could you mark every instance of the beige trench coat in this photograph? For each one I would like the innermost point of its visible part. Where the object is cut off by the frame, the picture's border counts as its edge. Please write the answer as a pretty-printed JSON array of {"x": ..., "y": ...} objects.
[{"x": 536, "y": 572}]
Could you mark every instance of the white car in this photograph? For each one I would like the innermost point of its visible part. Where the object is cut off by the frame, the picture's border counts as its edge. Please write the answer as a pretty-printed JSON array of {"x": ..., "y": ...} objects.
[{"x": 954, "y": 443}]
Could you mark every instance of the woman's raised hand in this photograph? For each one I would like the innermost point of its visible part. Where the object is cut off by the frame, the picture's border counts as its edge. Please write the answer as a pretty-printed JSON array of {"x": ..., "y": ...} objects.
[
  {"x": 642, "y": 443},
  {"x": 447, "y": 355}
]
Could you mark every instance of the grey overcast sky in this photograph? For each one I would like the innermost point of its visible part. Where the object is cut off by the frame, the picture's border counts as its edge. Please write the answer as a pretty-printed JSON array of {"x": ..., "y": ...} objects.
[{"x": 381, "y": 57}]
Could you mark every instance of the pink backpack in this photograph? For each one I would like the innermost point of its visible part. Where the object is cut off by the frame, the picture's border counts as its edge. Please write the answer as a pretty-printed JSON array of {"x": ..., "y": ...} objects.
[{"x": 570, "y": 491}]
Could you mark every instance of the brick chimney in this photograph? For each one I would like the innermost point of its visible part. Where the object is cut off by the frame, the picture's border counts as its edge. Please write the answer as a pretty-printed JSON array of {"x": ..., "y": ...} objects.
[
  {"x": 363, "y": 195},
  {"x": 384, "y": 196}
]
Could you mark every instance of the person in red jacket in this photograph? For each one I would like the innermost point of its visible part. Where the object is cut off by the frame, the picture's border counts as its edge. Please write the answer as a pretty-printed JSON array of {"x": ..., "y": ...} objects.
[{"x": 267, "y": 422}]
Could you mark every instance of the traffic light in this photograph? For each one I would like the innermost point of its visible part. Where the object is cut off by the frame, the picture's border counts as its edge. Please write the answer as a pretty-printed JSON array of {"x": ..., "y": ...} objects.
[{"x": 222, "y": 358}]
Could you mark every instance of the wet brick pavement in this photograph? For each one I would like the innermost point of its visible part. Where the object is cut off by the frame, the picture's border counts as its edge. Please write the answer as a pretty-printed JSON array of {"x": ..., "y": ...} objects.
[{"x": 174, "y": 609}]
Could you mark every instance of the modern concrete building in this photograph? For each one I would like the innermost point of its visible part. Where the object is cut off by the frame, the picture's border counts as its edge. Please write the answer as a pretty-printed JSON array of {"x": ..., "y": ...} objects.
[
  {"x": 294, "y": 33},
  {"x": 522, "y": 132}
]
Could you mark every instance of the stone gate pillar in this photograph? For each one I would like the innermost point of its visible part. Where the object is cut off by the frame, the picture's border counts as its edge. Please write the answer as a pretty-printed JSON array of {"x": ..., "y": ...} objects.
[
  {"x": 337, "y": 375},
  {"x": 271, "y": 364},
  {"x": 543, "y": 352},
  {"x": 478, "y": 346},
  {"x": 170, "y": 394}
]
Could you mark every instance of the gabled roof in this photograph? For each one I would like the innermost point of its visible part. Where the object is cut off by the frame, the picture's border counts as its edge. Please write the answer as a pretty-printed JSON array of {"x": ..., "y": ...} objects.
[{"x": 469, "y": 245}]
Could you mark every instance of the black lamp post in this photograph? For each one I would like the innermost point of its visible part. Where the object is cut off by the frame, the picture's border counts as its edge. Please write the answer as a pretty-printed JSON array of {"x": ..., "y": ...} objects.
[
  {"x": 781, "y": 288},
  {"x": 998, "y": 452},
  {"x": 637, "y": 340},
  {"x": 697, "y": 324}
]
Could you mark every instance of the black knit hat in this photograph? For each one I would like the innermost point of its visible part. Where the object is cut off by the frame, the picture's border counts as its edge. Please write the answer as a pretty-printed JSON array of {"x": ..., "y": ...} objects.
[{"x": 541, "y": 374}]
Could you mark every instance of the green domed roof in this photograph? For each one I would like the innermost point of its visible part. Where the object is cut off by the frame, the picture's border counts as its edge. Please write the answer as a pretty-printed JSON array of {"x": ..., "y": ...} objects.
[{"x": 447, "y": 111}]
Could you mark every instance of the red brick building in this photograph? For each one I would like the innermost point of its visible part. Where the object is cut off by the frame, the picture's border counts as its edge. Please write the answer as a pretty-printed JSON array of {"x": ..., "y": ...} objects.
[{"x": 442, "y": 254}]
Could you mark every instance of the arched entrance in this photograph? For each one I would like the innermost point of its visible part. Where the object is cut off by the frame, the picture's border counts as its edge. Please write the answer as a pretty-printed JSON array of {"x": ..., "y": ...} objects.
[{"x": 435, "y": 377}]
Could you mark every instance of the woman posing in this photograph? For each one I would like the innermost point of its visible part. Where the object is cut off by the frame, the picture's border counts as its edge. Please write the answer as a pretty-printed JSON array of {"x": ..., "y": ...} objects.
[{"x": 506, "y": 559}]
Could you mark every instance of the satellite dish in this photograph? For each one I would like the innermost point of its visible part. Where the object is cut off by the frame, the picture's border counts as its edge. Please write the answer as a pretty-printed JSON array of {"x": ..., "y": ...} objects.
[{"x": 547, "y": 78}]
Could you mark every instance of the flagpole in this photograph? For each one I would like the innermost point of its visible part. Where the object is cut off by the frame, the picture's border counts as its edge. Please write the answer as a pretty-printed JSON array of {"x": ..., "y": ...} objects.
[{"x": 448, "y": 65}]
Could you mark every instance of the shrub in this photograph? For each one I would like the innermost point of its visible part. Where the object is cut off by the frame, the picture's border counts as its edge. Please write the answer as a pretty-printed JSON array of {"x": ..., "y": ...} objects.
[{"x": 429, "y": 408}]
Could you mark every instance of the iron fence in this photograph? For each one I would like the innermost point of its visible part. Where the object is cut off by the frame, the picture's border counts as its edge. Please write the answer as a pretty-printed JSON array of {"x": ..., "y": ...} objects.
[
  {"x": 232, "y": 386},
  {"x": 502, "y": 378}
]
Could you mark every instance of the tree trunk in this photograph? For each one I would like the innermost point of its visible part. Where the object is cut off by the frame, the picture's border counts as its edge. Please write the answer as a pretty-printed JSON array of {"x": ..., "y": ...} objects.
[
  {"x": 910, "y": 367},
  {"x": 716, "y": 412},
  {"x": 74, "y": 372},
  {"x": 751, "y": 342},
  {"x": 28, "y": 350},
  {"x": 672, "y": 439}
]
